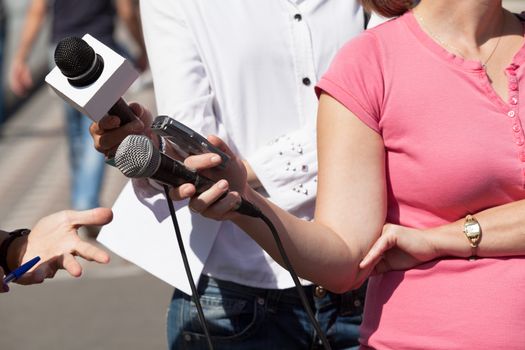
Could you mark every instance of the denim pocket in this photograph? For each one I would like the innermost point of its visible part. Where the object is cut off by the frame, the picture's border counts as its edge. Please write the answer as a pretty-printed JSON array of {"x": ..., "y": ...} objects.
[{"x": 228, "y": 318}]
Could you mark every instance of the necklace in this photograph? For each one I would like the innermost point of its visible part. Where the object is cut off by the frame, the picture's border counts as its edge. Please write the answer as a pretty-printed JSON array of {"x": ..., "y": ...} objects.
[{"x": 454, "y": 48}]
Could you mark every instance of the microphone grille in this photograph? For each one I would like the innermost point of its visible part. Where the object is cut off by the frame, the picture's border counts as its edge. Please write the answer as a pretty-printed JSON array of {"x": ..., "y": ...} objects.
[
  {"x": 136, "y": 157},
  {"x": 74, "y": 56}
]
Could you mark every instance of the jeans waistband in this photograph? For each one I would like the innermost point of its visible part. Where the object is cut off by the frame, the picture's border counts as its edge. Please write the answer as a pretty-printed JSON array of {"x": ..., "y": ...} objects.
[{"x": 354, "y": 298}]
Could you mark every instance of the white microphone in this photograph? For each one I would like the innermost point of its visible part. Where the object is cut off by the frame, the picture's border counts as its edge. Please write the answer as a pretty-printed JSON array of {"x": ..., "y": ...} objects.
[{"x": 91, "y": 77}]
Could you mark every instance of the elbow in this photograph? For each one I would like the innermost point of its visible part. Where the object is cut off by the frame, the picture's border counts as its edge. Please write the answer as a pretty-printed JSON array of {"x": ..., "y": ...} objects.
[{"x": 344, "y": 282}]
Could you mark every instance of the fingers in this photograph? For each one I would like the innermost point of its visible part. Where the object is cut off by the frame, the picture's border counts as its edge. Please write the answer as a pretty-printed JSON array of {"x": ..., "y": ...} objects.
[
  {"x": 203, "y": 161},
  {"x": 379, "y": 248},
  {"x": 44, "y": 270},
  {"x": 90, "y": 252},
  {"x": 216, "y": 203},
  {"x": 208, "y": 197},
  {"x": 142, "y": 113},
  {"x": 70, "y": 264},
  {"x": 97, "y": 216},
  {"x": 182, "y": 192},
  {"x": 107, "y": 134}
]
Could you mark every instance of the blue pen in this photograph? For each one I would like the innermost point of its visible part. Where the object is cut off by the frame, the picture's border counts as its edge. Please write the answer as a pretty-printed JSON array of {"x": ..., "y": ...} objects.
[{"x": 17, "y": 273}]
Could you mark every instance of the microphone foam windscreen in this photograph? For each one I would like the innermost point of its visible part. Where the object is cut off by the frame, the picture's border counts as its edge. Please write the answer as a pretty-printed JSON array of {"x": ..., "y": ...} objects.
[
  {"x": 74, "y": 57},
  {"x": 136, "y": 157}
]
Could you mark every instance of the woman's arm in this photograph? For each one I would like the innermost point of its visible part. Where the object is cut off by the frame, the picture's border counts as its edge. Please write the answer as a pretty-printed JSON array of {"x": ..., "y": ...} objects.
[
  {"x": 351, "y": 202},
  {"x": 400, "y": 248}
]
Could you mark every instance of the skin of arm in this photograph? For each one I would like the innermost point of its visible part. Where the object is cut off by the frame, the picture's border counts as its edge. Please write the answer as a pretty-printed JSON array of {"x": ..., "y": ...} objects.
[
  {"x": 252, "y": 178},
  {"x": 20, "y": 79},
  {"x": 127, "y": 11},
  {"x": 401, "y": 248},
  {"x": 351, "y": 202}
]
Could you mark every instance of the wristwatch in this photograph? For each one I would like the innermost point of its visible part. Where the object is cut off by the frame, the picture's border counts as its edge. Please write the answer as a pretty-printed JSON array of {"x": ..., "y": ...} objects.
[
  {"x": 472, "y": 231},
  {"x": 4, "y": 247}
]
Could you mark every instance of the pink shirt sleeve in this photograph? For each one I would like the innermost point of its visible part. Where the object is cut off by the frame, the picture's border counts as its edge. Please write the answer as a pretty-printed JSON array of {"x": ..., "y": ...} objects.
[{"x": 355, "y": 79}]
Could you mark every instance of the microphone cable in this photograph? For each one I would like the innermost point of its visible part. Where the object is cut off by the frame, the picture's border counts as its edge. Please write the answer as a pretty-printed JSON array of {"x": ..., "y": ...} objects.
[
  {"x": 255, "y": 212},
  {"x": 195, "y": 295}
]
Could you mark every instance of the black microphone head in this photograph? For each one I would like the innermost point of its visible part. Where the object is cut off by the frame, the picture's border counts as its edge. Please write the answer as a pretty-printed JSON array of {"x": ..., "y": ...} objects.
[
  {"x": 136, "y": 157},
  {"x": 78, "y": 61}
]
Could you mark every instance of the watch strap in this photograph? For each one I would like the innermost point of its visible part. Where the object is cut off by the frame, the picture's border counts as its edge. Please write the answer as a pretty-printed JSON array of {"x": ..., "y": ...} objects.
[{"x": 4, "y": 246}]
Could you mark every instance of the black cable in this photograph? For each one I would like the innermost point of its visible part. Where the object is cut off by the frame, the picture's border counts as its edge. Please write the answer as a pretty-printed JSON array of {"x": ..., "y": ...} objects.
[
  {"x": 298, "y": 285},
  {"x": 250, "y": 210},
  {"x": 195, "y": 295}
]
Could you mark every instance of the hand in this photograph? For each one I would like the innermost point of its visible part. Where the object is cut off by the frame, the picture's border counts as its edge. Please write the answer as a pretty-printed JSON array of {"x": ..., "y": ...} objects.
[
  {"x": 55, "y": 239},
  {"x": 20, "y": 79},
  {"x": 399, "y": 248},
  {"x": 107, "y": 134},
  {"x": 233, "y": 178},
  {"x": 141, "y": 62}
]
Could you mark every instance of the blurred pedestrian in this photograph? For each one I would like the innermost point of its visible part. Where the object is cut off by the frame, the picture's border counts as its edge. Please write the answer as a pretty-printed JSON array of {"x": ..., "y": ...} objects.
[
  {"x": 76, "y": 18},
  {"x": 55, "y": 240}
]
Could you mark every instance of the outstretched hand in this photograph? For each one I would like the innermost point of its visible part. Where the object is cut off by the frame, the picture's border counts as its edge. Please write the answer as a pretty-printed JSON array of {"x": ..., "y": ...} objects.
[{"x": 55, "y": 239}]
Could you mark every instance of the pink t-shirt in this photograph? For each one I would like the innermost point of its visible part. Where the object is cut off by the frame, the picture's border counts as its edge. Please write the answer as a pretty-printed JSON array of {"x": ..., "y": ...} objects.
[{"x": 453, "y": 147}]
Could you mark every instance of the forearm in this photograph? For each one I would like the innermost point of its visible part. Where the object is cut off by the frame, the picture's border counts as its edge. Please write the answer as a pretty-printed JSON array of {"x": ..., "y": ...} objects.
[
  {"x": 312, "y": 248},
  {"x": 33, "y": 22},
  {"x": 503, "y": 233},
  {"x": 128, "y": 13},
  {"x": 252, "y": 178}
]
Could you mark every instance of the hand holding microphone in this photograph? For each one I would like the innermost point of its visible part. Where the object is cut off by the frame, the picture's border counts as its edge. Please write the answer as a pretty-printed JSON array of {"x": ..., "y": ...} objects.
[{"x": 136, "y": 157}]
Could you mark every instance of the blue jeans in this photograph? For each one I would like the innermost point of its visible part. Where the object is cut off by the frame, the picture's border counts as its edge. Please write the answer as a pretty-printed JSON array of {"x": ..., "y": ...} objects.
[
  {"x": 241, "y": 318},
  {"x": 87, "y": 164}
]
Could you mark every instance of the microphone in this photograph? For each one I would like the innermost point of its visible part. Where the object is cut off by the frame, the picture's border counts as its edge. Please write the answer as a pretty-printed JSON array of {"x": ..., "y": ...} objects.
[
  {"x": 136, "y": 157},
  {"x": 91, "y": 77}
]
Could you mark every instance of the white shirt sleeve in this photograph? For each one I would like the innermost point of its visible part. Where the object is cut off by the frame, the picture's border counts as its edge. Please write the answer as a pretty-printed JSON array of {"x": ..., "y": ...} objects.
[
  {"x": 182, "y": 87},
  {"x": 287, "y": 168}
]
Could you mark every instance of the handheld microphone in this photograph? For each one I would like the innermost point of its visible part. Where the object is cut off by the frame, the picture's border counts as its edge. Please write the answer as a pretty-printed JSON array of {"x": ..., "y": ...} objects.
[
  {"x": 91, "y": 77},
  {"x": 136, "y": 157}
]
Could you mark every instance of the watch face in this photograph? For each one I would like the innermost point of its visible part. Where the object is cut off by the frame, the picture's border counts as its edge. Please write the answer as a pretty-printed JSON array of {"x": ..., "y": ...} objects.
[{"x": 471, "y": 230}]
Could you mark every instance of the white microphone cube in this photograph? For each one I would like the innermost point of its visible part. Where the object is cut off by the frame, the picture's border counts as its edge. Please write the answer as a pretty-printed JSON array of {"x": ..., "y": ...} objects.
[{"x": 96, "y": 99}]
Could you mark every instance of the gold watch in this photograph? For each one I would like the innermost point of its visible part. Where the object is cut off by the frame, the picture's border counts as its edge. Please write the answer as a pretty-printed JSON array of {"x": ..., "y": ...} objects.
[{"x": 472, "y": 231}]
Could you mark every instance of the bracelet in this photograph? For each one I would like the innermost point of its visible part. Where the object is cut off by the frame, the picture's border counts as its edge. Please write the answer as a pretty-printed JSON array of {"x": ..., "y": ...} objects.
[
  {"x": 472, "y": 231},
  {"x": 4, "y": 247}
]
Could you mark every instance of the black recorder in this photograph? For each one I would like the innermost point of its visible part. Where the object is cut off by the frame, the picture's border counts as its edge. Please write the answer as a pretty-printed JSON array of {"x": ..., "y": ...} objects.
[{"x": 184, "y": 140}]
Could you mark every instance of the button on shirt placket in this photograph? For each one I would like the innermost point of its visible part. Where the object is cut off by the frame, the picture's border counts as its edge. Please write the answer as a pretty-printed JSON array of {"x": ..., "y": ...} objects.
[
  {"x": 303, "y": 59},
  {"x": 305, "y": 72},
  {"x": 512, "y": 113}
]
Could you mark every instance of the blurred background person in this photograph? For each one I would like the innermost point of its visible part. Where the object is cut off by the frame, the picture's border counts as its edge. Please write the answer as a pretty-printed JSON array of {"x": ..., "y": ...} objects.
[{"x": 76, "y": 18}]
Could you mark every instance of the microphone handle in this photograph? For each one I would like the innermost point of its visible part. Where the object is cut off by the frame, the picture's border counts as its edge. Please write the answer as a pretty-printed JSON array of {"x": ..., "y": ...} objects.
[{"x": 122, "y": 110}]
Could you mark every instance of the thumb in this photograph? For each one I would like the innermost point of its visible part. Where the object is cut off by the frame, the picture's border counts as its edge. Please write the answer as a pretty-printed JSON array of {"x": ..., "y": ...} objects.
[{"x": 97, "y": 216}]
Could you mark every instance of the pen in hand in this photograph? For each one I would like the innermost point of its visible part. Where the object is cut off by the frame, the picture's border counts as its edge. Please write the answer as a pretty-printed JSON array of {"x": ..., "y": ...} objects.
[{"x": 18, "y": 272}]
